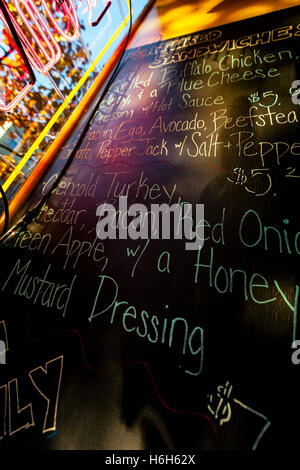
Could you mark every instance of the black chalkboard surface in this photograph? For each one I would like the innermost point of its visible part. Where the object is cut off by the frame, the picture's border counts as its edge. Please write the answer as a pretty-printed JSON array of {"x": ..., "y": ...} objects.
[{"x": 141, "y": 343}]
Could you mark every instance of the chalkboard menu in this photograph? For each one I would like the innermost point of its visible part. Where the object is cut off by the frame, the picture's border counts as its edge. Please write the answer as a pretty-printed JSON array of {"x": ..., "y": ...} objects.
[{"x": 137, "y": 342}]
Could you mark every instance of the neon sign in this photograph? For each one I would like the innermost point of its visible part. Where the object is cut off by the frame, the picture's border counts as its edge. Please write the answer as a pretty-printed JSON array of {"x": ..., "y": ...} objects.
[
  {"x": 4, "y": 15},
  {"x": 69, "y": 11},
  {"x": 40, "y": 43},
  {"x": 106, "y": 38},
  {"x": 41, "y": 34},
  {"x": 92, "y": 4}
]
